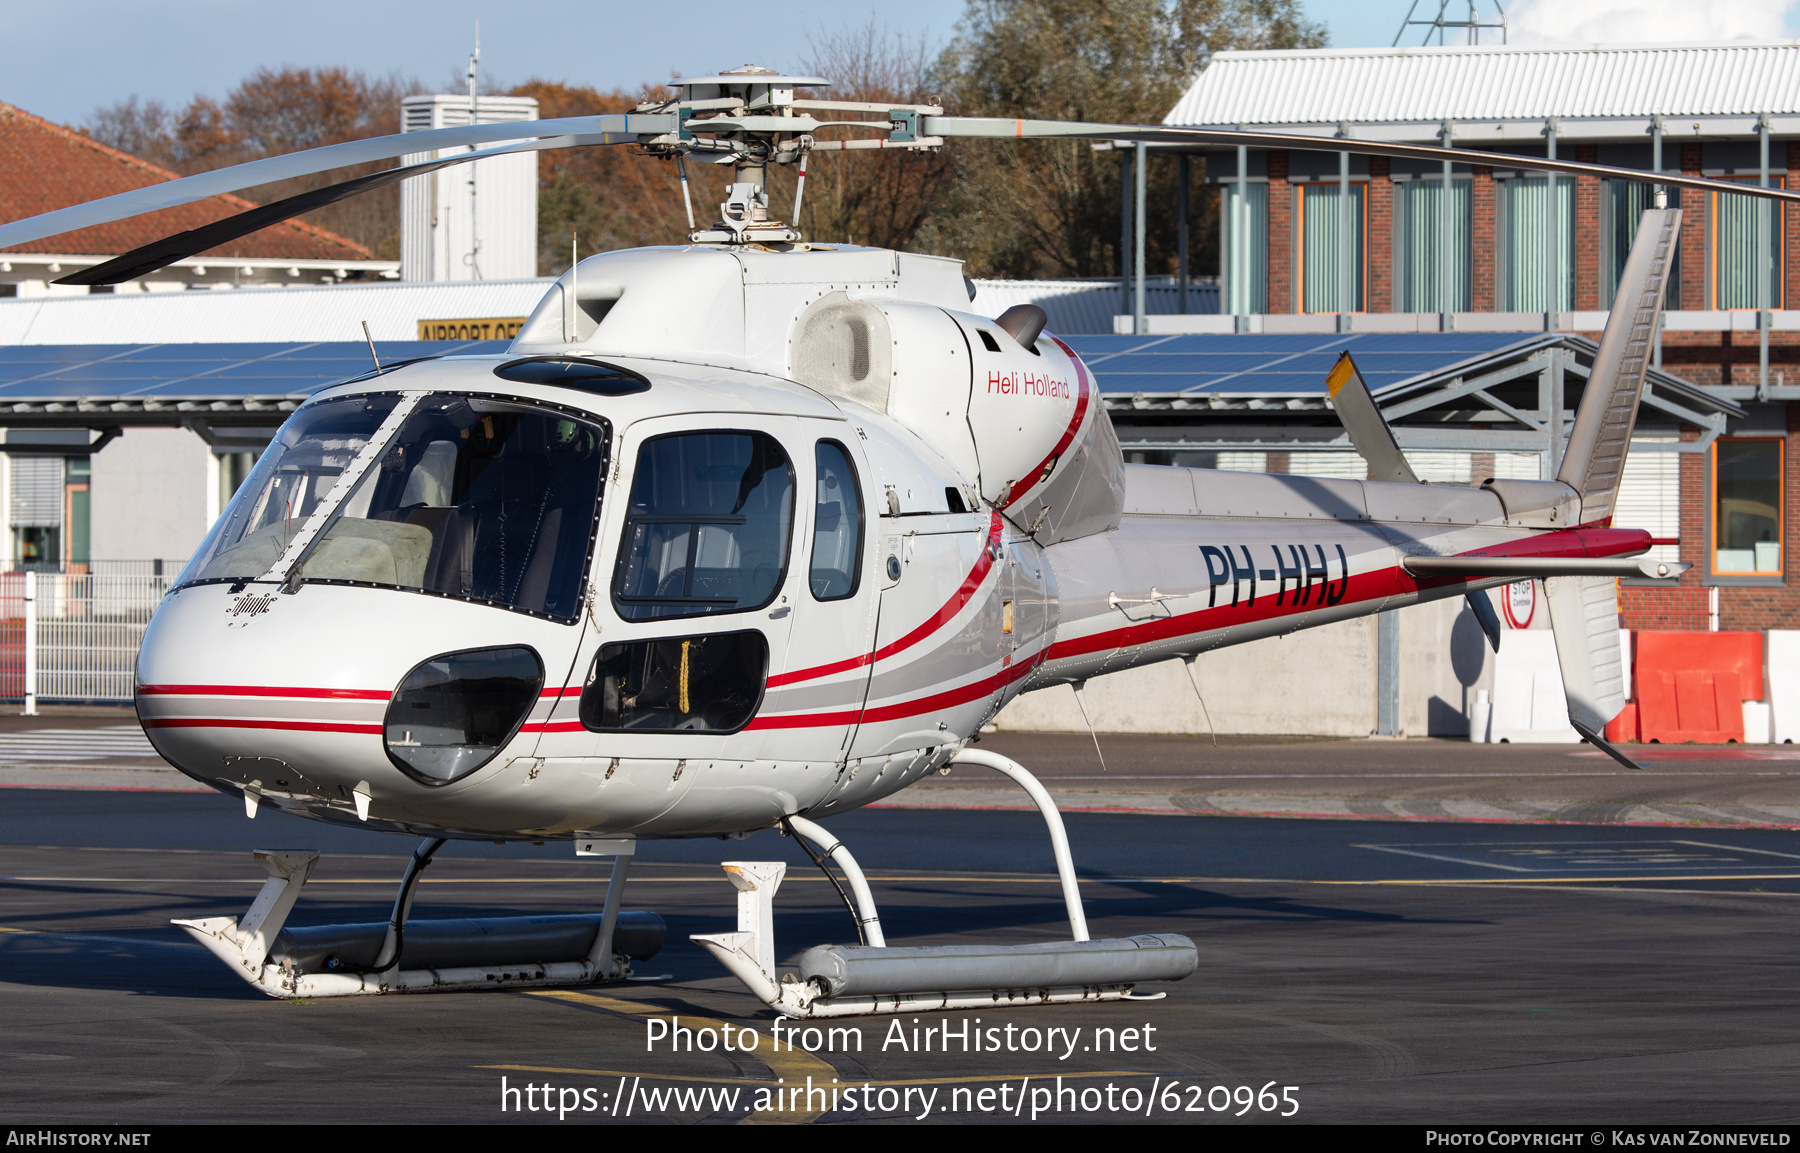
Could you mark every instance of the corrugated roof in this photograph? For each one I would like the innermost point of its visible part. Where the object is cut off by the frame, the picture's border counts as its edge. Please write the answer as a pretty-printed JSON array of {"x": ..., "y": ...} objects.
[
  {"x": 301, "y": 313},
  {"x": 1493, "y": 82},
  {"x": 393, "y": 310},
  {"x": 44, "y": 166}
]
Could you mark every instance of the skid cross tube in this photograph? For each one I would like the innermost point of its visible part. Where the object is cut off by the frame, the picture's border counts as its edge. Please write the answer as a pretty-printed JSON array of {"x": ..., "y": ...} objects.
[
  {"x": 853, "y": 874},
  {"x": 391, "y": 945},
  {"x": 1059, "y": 840}
]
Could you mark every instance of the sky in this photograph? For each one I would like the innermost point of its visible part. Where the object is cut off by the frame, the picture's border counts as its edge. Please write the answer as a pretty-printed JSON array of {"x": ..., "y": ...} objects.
[{"x": 61, "y": 59}]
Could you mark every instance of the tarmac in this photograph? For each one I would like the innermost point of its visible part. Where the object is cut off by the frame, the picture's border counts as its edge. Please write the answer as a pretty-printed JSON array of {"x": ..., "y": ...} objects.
[
  {"x": 1423, "y": 779},
  {"x": 1420, "y": 970}
]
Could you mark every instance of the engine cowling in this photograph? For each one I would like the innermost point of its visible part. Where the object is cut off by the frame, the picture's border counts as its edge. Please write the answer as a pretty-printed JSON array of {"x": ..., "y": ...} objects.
[{"x": 1024, "y": 426}]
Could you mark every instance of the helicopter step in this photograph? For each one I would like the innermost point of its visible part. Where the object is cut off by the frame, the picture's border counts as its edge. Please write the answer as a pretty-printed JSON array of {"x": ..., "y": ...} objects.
[
  {"x": 855, "y": 980},
  {"x": 440, "y": 956}
]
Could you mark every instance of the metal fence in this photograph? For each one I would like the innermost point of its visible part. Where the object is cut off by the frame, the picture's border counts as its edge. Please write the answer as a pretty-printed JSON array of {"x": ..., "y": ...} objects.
[{"x": 73, "y": 636}]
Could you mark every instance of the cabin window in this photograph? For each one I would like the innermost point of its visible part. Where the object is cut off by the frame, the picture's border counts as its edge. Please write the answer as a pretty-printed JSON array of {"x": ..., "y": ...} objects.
[
  {"x": 707, "y": 526},
  {"x": 837, "y": 525},
  {"x": 485, "y": 500},
  {"x": 708, "y": 684}
]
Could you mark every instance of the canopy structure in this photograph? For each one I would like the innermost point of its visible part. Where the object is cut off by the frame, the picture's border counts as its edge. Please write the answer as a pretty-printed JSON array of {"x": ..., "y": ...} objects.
[
  {"x": 232, "y": 395},
  {"x": 1478, "y": 392},
  {"x": 1455, "y": 391}
]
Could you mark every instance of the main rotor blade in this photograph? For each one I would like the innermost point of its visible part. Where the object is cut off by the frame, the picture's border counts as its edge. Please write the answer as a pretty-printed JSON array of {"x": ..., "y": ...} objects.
[
  {"x": 621, "y": 129},
  {"x": 1073, "y": 130},
  {"x": 162, "y": 253}
]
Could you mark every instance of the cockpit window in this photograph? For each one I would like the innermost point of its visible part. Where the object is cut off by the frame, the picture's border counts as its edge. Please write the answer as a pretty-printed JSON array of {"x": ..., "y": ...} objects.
[
  {"x": 707, "y": 527},
  {"x": 287, "y": 486},
  {"x": 486, "y": 500},
  {"x": 837, "y": 525}
]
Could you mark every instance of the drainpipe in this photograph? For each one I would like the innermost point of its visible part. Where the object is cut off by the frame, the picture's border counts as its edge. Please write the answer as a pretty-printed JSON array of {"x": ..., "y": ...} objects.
[{"x": 1445, "y": 303}]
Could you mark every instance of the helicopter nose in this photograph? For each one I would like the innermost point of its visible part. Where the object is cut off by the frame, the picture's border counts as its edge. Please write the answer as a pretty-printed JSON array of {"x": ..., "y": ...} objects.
[{"x": 337, "y": 687}]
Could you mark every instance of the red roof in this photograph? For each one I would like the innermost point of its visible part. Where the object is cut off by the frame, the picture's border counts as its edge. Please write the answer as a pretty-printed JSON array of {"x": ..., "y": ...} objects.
[{"x": 44, "y": 166}]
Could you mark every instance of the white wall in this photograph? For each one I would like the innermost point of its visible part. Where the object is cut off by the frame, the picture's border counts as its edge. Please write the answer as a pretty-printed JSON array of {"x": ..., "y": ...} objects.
[
  {"x": 148, "y": 496},
  {"x": 1320, "y": 681}
]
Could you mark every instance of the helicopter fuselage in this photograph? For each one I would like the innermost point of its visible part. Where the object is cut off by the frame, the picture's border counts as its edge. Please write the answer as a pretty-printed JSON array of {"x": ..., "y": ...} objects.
[{"x": 577, "y": 590}]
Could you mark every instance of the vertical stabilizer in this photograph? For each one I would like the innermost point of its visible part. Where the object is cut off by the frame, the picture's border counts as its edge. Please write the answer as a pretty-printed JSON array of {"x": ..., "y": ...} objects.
[
  {"x": 1584, "y": 613},
  {"x": 1595, "y": 459},
  {"x": 1362, "y": 419}
]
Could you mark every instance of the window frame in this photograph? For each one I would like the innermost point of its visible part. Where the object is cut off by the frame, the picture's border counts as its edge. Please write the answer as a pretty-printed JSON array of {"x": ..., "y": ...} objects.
[
  {"x": 862, "y": 522},
  {"x": 762, "y": 690},
  {"x": 1777, "y": 281},
  {"x": 623, "y": 553},
  {"x": 1359, "y": 250},
  {"x": 1715, "y": 575}
]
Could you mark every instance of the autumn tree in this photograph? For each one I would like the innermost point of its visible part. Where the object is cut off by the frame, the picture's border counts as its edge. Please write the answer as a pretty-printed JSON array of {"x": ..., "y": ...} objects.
[
  {"x": 1052, "y": 208},
  {"x": 270, "y": 113},
  {"x": 611, "y": 196}
]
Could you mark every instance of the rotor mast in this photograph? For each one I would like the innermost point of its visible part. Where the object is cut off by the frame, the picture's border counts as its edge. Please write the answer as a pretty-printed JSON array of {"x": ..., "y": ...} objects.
[{"x": 750, "y": 117}]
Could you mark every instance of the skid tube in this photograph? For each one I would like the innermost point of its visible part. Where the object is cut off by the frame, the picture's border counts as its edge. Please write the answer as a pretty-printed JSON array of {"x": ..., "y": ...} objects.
[
  {"x": 445, "y": 955},
  {"x": 859, "y": 980}
]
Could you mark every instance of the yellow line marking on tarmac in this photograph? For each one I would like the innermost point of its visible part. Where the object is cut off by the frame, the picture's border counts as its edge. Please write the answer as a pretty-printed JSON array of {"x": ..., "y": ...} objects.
[{"x": 792, "y": 1066}]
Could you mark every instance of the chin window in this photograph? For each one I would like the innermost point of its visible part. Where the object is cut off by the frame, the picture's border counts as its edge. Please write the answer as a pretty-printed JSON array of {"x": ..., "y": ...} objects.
[{"x": 454, "y": 713}]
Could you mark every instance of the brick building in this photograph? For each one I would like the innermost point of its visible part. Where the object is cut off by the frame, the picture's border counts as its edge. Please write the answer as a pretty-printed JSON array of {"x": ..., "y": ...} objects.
[{"x": 1490, "y": 248}]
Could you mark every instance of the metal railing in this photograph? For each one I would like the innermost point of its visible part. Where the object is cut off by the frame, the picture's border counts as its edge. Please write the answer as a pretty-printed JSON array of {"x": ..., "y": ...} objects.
[{"x": 73, "y": 636}]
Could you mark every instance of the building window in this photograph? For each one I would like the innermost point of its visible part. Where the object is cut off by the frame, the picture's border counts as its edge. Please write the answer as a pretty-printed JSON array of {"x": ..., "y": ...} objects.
[
  {"x": 1419, "y": 242},
  {"x": 1321, "y": 248},
  {"x": 1525, "y": 252},
  {"x": 1625, "y": 204},
  {"x": 37, "y": 509},
  {"x": 1747, "y": 513},
  {"x": 76, "y": 483},
  {"x": 9, "y": 289},
  {"x": 1731, "y": 240},
  {"x": 1246, "y": 249}
]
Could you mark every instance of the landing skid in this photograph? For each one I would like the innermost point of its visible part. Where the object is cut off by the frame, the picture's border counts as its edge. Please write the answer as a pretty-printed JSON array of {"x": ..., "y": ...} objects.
[
  {"x": 855, "y": 980},
  {"x": 440, "y": 956}
]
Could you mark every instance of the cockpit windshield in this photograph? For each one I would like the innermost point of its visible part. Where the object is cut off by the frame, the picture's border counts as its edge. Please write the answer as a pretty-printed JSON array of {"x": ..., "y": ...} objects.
[
  {"x": 486, "y": 500},
  {"x": 287, "y": 486}
]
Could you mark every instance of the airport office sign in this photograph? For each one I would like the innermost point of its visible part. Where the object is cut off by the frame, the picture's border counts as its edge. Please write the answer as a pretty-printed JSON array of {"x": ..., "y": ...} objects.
[{"x": 477, "y": 328}]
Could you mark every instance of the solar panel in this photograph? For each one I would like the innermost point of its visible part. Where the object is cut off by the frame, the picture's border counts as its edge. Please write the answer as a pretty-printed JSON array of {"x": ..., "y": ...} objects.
[
  {"x": 1252, "y": 364},
  {"x": 1274, "y": 364},
  {"x": 71, "y": 371}
]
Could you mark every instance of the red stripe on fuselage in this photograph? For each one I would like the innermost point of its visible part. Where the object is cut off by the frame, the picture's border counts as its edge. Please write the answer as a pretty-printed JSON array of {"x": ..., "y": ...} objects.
[
  {"x": 1360, "y": 587},
  {"x": 236, "y": 723},
  {"x": 264, "y": 691},
  {"x": 947, "y": 612},
  {"x": 1029, "y": 480},
  {"x": 949, "y": 698}
]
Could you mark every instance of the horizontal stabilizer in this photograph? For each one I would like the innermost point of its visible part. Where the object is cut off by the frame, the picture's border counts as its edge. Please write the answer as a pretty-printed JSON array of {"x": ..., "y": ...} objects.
[{"x": 1521, "y": 567}]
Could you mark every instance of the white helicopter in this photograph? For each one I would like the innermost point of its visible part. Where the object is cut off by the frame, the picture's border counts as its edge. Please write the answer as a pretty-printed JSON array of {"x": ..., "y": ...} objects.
[{"x": 751, "y": 531}]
